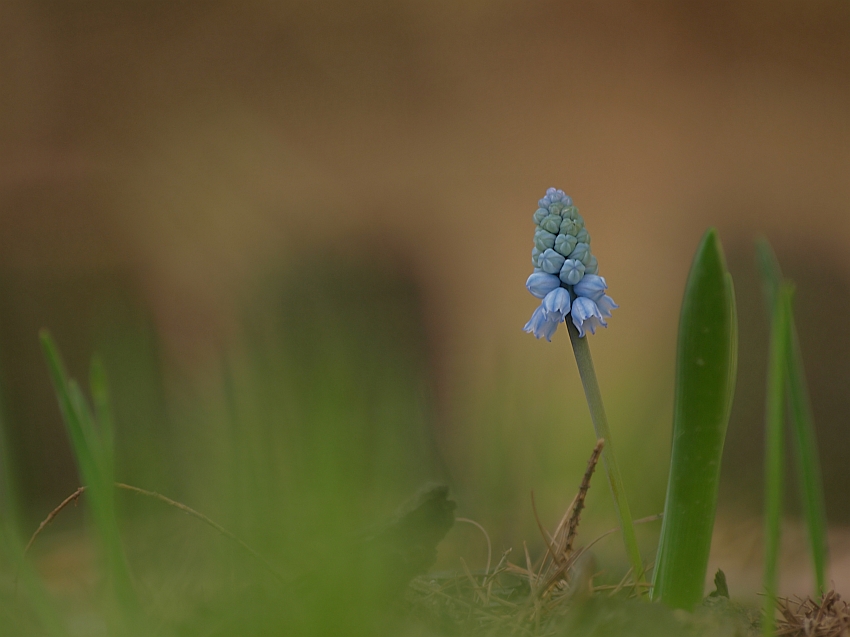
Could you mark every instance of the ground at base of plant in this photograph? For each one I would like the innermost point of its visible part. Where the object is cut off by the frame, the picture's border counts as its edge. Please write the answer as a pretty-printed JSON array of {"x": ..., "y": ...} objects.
[{"x": 451, "y": 605}]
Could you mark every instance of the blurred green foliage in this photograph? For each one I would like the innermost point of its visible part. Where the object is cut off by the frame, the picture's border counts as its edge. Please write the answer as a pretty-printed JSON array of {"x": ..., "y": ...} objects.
[{"x": 299, "y": 437}]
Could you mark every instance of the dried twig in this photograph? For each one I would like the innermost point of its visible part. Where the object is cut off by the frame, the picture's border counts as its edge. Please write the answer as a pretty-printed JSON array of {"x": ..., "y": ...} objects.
[
  {"x": 829, "y": 617},
  {"x": 575, "y": 518},
  {"x": 564, "y": 557},
  {"x": 556, "y": 581},
  {"x": 153, "y": 494},
  {"x": 71, "y": 498},
  {"x": 486, "y": 537}
]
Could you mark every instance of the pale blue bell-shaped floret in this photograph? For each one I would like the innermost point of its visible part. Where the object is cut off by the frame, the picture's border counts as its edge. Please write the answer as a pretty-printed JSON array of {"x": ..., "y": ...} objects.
[
  {"x": 552, "y": 224},
  {"x": 539, "y": 215},
  {"x": 571, "y": 212},
  {"x": 572, "y": 271},
  {"x": 543, "y": 239},
  {"x": 580, "y": 253},
  {"x": 541, "y": 283},
  {"x": 557, "y": 304},
  {"x": 551, "y": 261},
  {"x": 591, "y": 285},
  {"x": 538, "y": 317},
  {"x": 578, "y": 219},
  {"x": 586, "y": 315},
  {"x": 540, "y": 325},
  {"x": 565, "y": 243},
  {"x": 535, "y": 256},
  {"x": 582, "y": 236},
  {"x": 592, "y": 266},
  {"x": 605, "y": 304}
]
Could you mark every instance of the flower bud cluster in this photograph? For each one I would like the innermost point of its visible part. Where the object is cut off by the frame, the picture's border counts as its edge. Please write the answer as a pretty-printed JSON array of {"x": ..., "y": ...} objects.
[{"x": 565, "y": 273}]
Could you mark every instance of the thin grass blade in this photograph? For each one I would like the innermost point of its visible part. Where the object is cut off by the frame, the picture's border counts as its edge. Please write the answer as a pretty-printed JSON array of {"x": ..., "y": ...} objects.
[
  {"x": 804, "y": 438},
  {"x": 95, "y": 466},
  {"x": 83, "y": 437},
  {"x": 705, "y": 378},
  {"x": 775, "y": 451},
  {"x": 103, "y": 414}
]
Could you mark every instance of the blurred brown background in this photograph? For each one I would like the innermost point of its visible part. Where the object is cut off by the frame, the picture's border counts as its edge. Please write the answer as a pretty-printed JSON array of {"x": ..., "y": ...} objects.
[{"x": 168, "y": 155}]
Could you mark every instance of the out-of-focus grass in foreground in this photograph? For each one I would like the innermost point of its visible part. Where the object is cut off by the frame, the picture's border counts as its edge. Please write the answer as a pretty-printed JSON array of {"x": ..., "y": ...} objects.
[{"x": 301, "y": 439}]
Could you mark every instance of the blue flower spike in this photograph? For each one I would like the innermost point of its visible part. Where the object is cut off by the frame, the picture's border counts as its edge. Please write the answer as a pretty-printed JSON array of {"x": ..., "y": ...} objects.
[
  {"x": 566, "y": 279},
  {"x": 565, "y": 272}
]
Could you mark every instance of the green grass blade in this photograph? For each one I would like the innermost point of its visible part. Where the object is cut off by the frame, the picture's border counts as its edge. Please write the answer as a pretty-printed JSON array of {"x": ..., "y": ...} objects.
[
  {"x": 705, "y": 378},
  {"x": 804, "y": 438},
  {"x": 82, "y": 434},
  {"x": 771, "y": 275},
  {"x": 103, "y": 414},
  {"x": 775, "y": 450},
  {"x": 95, "y": 466},
  {"x": 809, "y": 472}
]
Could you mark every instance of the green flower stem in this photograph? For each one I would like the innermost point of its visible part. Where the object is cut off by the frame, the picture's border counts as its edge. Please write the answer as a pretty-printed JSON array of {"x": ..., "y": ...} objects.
[{"x": 581, "y": 348}]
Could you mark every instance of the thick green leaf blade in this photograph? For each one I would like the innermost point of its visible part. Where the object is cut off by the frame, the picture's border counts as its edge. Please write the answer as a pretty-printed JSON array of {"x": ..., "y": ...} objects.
[
  {"x": 705, "y": 379},
  {"x": 804, "y": 438}
]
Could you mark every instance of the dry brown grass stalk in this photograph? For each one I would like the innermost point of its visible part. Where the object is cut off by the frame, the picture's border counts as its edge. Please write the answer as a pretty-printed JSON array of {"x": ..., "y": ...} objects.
[
  {"x": 173, "y": 503},
  {"x": 829, "y": 617}
]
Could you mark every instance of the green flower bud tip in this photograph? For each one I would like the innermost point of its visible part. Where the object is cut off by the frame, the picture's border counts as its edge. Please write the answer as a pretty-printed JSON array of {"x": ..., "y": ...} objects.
[
  {"x": 565, "y": 244},
  {"x": 539, "y": 215},
  {"x": 571, "y": 213},
  {"x": 568, "y": 227},
  {"x": 543, "y": 240},
  {"x": 551, "y": 261},
  {"x": 581, "y": 253},
  {"x": 572, "y": 271},
  {"x": 582, "y": 236},
  {"x": 552, "y": 224}
]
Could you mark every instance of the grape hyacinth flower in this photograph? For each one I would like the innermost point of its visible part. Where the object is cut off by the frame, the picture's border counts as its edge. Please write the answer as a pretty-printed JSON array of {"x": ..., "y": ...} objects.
[
  {"x": 566, "y": 280},
  {"x": 565, "y": 272}
]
